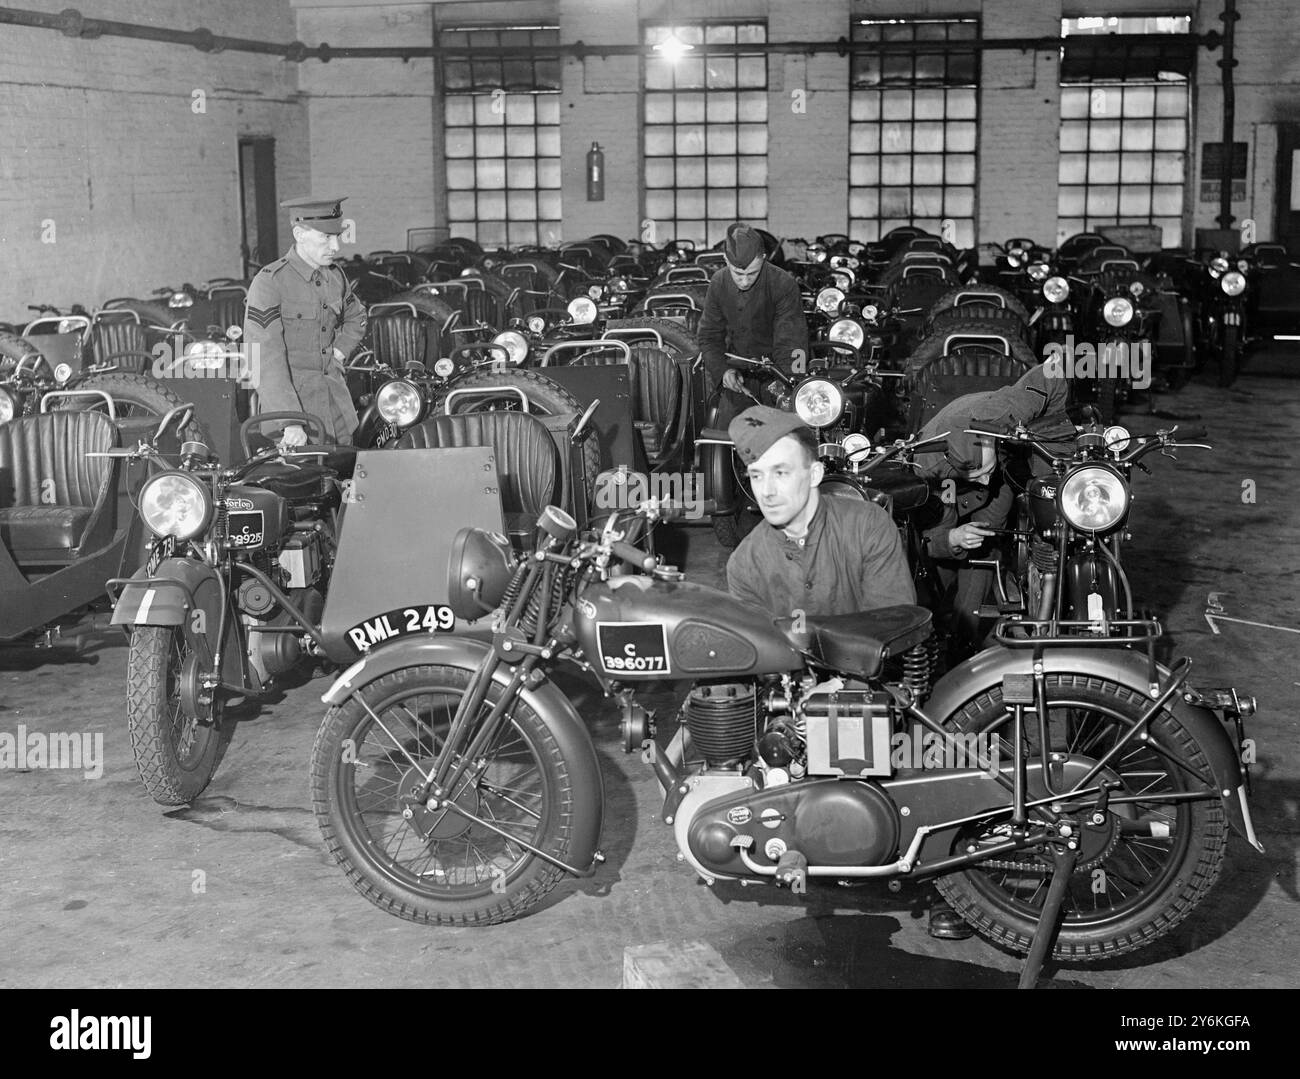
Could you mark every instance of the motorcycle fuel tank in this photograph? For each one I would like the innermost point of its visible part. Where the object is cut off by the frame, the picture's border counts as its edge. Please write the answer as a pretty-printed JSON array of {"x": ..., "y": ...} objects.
[
  {"x": 642, "y": 629},
  {"x": 1042, "y": 502}
]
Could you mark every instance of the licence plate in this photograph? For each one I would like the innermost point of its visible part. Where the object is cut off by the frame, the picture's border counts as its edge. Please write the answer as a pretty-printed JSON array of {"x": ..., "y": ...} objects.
[{"x": 424, "y": 618}]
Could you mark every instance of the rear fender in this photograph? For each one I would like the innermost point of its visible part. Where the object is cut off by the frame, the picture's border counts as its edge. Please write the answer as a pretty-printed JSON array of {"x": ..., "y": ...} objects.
[
  {"x": 985, "y": 671},
  {"x": 552, "y": 707}
]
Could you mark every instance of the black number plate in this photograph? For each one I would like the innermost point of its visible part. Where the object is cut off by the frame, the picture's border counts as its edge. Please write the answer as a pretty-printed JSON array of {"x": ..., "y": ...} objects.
[
  {"x": 403, "y": 622},
  {"x": 633, "y": 647},
  {"x": 246, "y": 528}
]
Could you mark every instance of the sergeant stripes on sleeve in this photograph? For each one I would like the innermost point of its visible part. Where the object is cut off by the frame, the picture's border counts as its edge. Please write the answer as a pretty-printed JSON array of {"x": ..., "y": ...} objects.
[{"x": 264, "y": 316}]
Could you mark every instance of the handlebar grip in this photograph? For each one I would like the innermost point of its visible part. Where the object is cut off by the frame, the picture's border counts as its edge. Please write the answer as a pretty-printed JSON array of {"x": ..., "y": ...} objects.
[{"x": 633, "y": 555}]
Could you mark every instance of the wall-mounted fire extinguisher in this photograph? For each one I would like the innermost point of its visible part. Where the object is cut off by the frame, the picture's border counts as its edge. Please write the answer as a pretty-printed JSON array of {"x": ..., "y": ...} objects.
[{"x": 595, "y": 174}]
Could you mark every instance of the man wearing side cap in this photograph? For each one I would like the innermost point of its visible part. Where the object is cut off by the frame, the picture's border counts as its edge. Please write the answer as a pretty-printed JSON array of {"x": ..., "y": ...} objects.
[
  {"x": 302, "y": 322},
  {"x": 821, "y": 556},
  {"x": 753, "y": 309}
]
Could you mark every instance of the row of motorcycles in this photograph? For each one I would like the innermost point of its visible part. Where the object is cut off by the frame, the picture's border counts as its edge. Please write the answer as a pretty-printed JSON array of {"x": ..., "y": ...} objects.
[{"x": 1075, "y": 793}]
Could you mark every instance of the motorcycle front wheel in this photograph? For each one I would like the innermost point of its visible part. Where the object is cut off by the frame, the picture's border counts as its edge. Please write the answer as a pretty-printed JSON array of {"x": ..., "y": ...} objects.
[
  {"x": 1150, "y": 864},
  {"x": 1229, "y": 356},
  {"x": 175, "y": 754},
  {"x": 440, "y": 866}
]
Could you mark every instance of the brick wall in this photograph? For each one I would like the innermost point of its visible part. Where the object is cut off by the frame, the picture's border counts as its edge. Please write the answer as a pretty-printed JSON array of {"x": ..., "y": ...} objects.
[{"x": 103, "y": 152}]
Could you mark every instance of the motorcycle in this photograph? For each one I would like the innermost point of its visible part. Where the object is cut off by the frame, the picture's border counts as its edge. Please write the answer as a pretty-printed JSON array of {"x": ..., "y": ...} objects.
[
  {"x": 455, "y": 784},
  {"x": 1222, "y": 313},
  {"x": 1068, "y": 568},
  {"x": 229, "y": 598}
]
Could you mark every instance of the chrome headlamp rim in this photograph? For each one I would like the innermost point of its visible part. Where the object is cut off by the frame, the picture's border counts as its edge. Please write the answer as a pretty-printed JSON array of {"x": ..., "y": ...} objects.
[
  {"x": 515, "y": 344},
  {"x": 159, "y": 498},
  {"x": 829, "y": 300},
  {"x": 819, "y": 402},
  {"x": 846, "y": 331},
  {"x": 10, "y": 406},
  {"x": 582, "y": 310},
  {"x": 205, "y": 355},
  {"x": 444, "y": 367},
  {"x": 1056, "y": 289},
  {"x": 1118, "y": 311},
  {"x": 1093, "y": 498},
  {"x": 399, "y": 402},
  {"x": 1233, "y": 283},
  {"x": 1038, "y": 271}
]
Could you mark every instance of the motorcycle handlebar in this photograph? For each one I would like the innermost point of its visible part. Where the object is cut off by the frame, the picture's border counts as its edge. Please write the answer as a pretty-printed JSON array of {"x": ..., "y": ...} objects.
[{"x": 632, "y": 555}]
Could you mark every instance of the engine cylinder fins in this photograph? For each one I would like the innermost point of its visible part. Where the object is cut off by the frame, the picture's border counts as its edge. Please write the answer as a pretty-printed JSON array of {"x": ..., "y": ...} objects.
[
  {"x": 1043, "y": 555},
  {"x": 721, "y": 720}
]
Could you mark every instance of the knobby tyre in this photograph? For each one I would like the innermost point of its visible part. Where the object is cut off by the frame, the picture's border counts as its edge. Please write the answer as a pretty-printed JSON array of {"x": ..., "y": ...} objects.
[
  {"x": 175, "y": 754},
  {"x": 435, "y": 866}
]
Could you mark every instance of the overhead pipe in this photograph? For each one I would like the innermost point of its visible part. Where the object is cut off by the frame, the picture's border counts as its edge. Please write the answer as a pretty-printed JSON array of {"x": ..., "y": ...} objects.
[
  {"x": 72, "y": 23},
  {"x": 1226, "y": 63}
]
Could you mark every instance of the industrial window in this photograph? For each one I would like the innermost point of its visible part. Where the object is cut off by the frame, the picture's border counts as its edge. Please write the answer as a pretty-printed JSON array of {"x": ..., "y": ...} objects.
[
  {"x": 912, "y": 126},
  {"x": 502, "y": 117},
  {"x": 1125, "y": 111},
  {"x": 705, "y": 130}
]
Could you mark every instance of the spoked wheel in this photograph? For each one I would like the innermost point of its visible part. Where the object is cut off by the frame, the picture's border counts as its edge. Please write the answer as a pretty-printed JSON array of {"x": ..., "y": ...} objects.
[
  {"x": 176, "y": 754},
  {"x": 439, "y": 866},
  {"x": 1143, "y": 868},
  {"x": 135, "y": 397}
]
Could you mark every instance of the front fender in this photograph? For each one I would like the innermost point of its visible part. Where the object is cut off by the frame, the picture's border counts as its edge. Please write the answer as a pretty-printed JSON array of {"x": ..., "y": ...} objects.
[
  {"x": 985, "y": 671},
  {"x": 552, "y": 707}
]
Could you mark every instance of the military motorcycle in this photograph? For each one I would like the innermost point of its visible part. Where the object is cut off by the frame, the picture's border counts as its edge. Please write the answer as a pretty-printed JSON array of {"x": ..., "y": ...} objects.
[
  {"x": 230, "y": 597},
  {"x": 455, "y": 784}
]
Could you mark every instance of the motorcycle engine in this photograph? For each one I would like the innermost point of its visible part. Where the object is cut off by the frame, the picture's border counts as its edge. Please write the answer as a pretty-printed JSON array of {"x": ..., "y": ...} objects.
[{"x": 765, "y": 798}]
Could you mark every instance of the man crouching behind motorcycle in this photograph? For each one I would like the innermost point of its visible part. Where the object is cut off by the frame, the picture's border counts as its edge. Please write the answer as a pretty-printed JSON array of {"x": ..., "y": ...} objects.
[
  {"x": 974, "y": 497},
  {"x": 815, "y": 556}
]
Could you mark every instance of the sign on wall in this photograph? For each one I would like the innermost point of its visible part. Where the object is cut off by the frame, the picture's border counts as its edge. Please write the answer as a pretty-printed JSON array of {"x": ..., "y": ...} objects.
[{"x": 1213, "y": 164}]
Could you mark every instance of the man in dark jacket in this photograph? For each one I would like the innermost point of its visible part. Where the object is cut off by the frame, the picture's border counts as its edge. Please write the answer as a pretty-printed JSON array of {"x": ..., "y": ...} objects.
[
  {"x": 753, "y": 309},
  {"x": 302, "y": 321}
]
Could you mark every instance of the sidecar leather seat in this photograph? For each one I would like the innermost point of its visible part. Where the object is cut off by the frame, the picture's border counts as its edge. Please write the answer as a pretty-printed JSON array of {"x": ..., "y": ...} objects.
[
  {"x": 528, "y": 463},
  {"x": 966, "y": 369},
  {"x": 858, "y": 644},
  {"x": 52, "y": 496},
  {"x": 118, "y": 337},
  {"x": 656, "y": 393}
]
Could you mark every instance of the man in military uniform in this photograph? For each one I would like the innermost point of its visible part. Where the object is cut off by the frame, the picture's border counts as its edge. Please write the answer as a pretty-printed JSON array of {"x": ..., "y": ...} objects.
[{"x": 302, "y": 322}]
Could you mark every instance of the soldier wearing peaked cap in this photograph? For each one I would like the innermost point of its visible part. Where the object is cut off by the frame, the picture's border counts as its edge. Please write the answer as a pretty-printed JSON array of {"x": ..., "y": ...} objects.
[{"x": 302, "y": 322}]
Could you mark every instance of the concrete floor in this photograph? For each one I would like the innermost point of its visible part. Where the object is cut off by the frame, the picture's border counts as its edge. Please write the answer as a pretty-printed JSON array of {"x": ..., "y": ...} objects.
[{"x": 101, "y": 887}]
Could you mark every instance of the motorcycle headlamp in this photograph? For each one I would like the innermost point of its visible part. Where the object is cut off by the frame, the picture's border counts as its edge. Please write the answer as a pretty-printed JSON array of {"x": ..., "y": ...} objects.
[
  {"x": 818, "y": 402},
  {"x": 1056, "y": 289},
  {"x": 582, "y": 310},
  {"x": 1016, "y": 257},
  {"x": 595, "y": 292},
  {"x": 1118, "y": 311},
  {"x": 8, "y": 405},
  {"x": 1093, "y": 498},
  {"x": 1117, "y": 438},
  {"x": 843, "y": 279},
  {"x": 871, "y": 312},
  {"x": 1038, "y": 271},
  {"x": 175, "y": 504},
  {"x": 1243, "y": 265},
  {"x": 399, "y": 403},
  {"x": 62, "y": 372},
  {"x": 1233, "y": 283},
  {"x": 206, "y": 356},
  {"x": 516, "y": 345},
  {"x": 478, "y": 572},
  {"x": 180, "y": 300},
  {"x": 817, "y": 252},
  {"x": 829, "y": 300},
  {"x": 620, "y": 284},
  {"x": 855, "y": 248},
  {"x": 1136, "y": 289},
  {"x": 1218, "y": 266},
  {"x": 536, "y": 324},
  {"x": 847, "y": 332},
  {"x": 844, "y": 262},
  {"x": 444, "y": 368},
  {"x": 69, "y": 325}
]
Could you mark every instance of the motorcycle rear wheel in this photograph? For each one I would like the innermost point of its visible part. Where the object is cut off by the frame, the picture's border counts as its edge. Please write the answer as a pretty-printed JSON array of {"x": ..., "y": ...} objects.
[
  {"x": 175, "y": 754},
  {"x": 1137, "y": 888},
  {"x": 437, "y": 867}
]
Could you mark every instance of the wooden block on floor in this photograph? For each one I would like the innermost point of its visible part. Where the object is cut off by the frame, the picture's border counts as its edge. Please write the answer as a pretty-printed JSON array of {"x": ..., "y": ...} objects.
[{"x": 687, "y": 964}]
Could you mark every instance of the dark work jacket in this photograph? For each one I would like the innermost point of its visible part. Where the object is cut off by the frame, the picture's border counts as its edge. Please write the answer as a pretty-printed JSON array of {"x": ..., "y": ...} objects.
[{"x": 765, "y": 320}]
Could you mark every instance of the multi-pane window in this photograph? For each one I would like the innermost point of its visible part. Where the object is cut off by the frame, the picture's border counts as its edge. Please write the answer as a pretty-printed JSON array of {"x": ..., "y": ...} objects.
[
  {"x": 1125, "y": 108},
  {"x": 705, "y": 129},
  {"x": 912, "y": 126},
  {"x": 502, "y": 117}
]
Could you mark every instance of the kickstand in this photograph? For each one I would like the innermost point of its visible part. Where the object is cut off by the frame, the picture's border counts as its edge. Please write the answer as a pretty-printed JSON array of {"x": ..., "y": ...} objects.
[{"x": 1048, "y": 919}]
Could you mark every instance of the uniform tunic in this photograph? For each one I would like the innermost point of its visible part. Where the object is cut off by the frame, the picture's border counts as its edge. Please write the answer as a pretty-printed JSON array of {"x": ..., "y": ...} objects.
[
  {"x": 766, "y": 319},
  {"x": 851, "y": 560},
  {"x": 296, "y": 318}
]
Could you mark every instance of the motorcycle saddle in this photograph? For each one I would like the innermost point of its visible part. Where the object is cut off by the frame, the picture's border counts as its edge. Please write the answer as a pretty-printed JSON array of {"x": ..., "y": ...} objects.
[
  {"x": 906, "y": 490},
  {"x": 858, "y": 644},
  {"x": 296, "y": 484}
]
